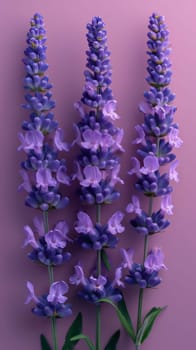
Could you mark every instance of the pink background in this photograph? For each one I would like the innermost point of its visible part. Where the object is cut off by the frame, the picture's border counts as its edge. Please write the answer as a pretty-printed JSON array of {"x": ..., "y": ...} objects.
[{"x": 126, "y": 23}]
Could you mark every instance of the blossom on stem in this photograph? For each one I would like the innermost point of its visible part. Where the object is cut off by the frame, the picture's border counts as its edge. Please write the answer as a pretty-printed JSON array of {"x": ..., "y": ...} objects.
[
  {"x": 52, "y": 304},
  {"x": 99, "y": 140},
  {"x": 146, "y": 275},
  {"x": 98, "y": 236},
  {"x": 157, "y": 135},
  {"x": 97, "y": 287},
  {"x": 42, "y": 140},
  {"x": 48, "y": 247}
]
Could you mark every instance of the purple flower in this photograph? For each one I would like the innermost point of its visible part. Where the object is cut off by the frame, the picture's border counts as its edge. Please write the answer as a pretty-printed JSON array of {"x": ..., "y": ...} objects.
[
  {"x": 141, "y": 136},
  {"x": 57, "y": 291},
  {"x": 79, "y": 107},
  {"x": 31, "y": 295},
  {"x": 55, "y": 239},
  {"x": 173, "y": 174},
  {"x": 31, "y": 140},
  {"x": 92, "y": 139},
  {"x": 109, "y": 110},
  {"x": 59, "y": 142},
  {"x": 145, "y": 108},
  {"x": 44, "y": 179},
  {"x": 154, "y": 261},
  {"x": 151, "y": 164},
  {"x": 42, "y": 139},
  {"x": 174, "y": 139},
  {"x": 52, "y": 304},
  {"x": 127, "y": 258},
  {"x": 98, "y": 283},
  {"x": 134, "y": 206},
  {"x": 114, "y": 223},
  {"x": 62, "y": 176},
  {"x": 26, "y": 184},
  {"x": 166, "y": 204},
  {"x": 98, "y": 138},
  {"x": 48, "y": 247},
  {"x": 78, "y": 277},
  {"x": 117, "y": 141},
  {"x": 84, "y": 224},
  {"x": 30, "y": 238},
  {"x": 92, "y": 176},
  {"x": 136, "y": 166},
  {"x": 117, "y": 280},
  {"x": 114, "y": 176}
]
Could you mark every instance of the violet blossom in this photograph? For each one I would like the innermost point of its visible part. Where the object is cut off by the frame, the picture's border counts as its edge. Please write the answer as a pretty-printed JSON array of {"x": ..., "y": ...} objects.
[
  {"x": 97, "y": 287},
  {"x": 99, "y": 140},
  {"x": 98, "y": 236},
  {"x": 52, "y": 304},
  {"x": 42, "y": 140},
  {"x": 48, "y": 247},
  {"x": 153, "y": 168},
  {"x": 157, "y": 135}
]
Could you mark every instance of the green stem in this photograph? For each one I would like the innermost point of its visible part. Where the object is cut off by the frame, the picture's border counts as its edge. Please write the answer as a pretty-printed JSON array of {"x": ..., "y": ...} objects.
[
  {"x": 141, "y": 291},
  {"x": 139, "y": 312},
  {"x": 45, "y": 219},
  {"x": 51, "y": 280},
  {"x": 137, "y": 347},
  {"x": 98, "y": 307},
  {"x": 54, "y": 337},
  {"x": 98, "y": 327}
]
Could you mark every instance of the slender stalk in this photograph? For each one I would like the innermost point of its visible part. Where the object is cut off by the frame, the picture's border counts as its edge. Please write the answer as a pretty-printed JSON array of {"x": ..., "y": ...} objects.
[
  {"x": 141, "y": 291},
  {"x": 139, "y": 312},
  {"x": 98, "y": 307},
  {"x": 53, "y": 324},
  {"x": 51, "y": 280},
  {"x": 98, "y": 327},
  {"x": 137, "y": 347}
]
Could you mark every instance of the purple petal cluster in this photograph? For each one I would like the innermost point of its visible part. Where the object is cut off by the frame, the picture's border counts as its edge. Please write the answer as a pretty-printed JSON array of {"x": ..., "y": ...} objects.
[
  {"x": 42, "y": 140},
  {"x": 156, "y": 163},
  {"x": 53, "y": 304},
  {"x": 98, "y": 236},
  {"x": 144, "y": 275},
  {"x": 49, "y": 247},
  {"x": 95, "y": 288},
  {"x": 99, "y": 140}
]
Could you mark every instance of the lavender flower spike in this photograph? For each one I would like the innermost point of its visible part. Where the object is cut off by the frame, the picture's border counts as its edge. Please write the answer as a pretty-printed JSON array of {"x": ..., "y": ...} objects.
[
  {"x": 42, "y": 140},
  {"x": 153, "y": 168},
  {"x": 99, "y": 140}
]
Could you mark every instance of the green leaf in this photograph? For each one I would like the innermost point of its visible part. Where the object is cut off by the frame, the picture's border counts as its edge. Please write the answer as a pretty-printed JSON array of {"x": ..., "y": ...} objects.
[
  {"x": 75, "y": 329},
  {"x": 124, "y": 319},
  {"x": 86, "y": 339},
  {"x": 105, "y": 259},
  {"x": 123, "y": 309},
  {"x": 111, "y": 345},
  {"x": 44, "y": 343},
  {"x": 147, "y": 324}
]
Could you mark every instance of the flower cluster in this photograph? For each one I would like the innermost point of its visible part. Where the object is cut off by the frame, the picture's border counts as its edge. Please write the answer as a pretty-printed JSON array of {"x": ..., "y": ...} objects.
[
  {"x": 42, "y": 139},
  {"x": 146, "y": 275},
  {"x": 99, "y": 140},
  {"x": 43, "y": 172},
  {"x": 50, "y": 305},
  {"x": 98, "y": 236},
  {"x": 96, "y": 288},
  {"x": 49, "y": 247},
  {"x": 157, "y": 135}
]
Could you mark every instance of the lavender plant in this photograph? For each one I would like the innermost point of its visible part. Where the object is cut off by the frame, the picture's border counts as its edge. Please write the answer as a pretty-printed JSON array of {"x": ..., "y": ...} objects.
[
  {"x": 153, "y": 169},
  {"x": 98, "y": 173},
  {"x": 44, "y": 173}
]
